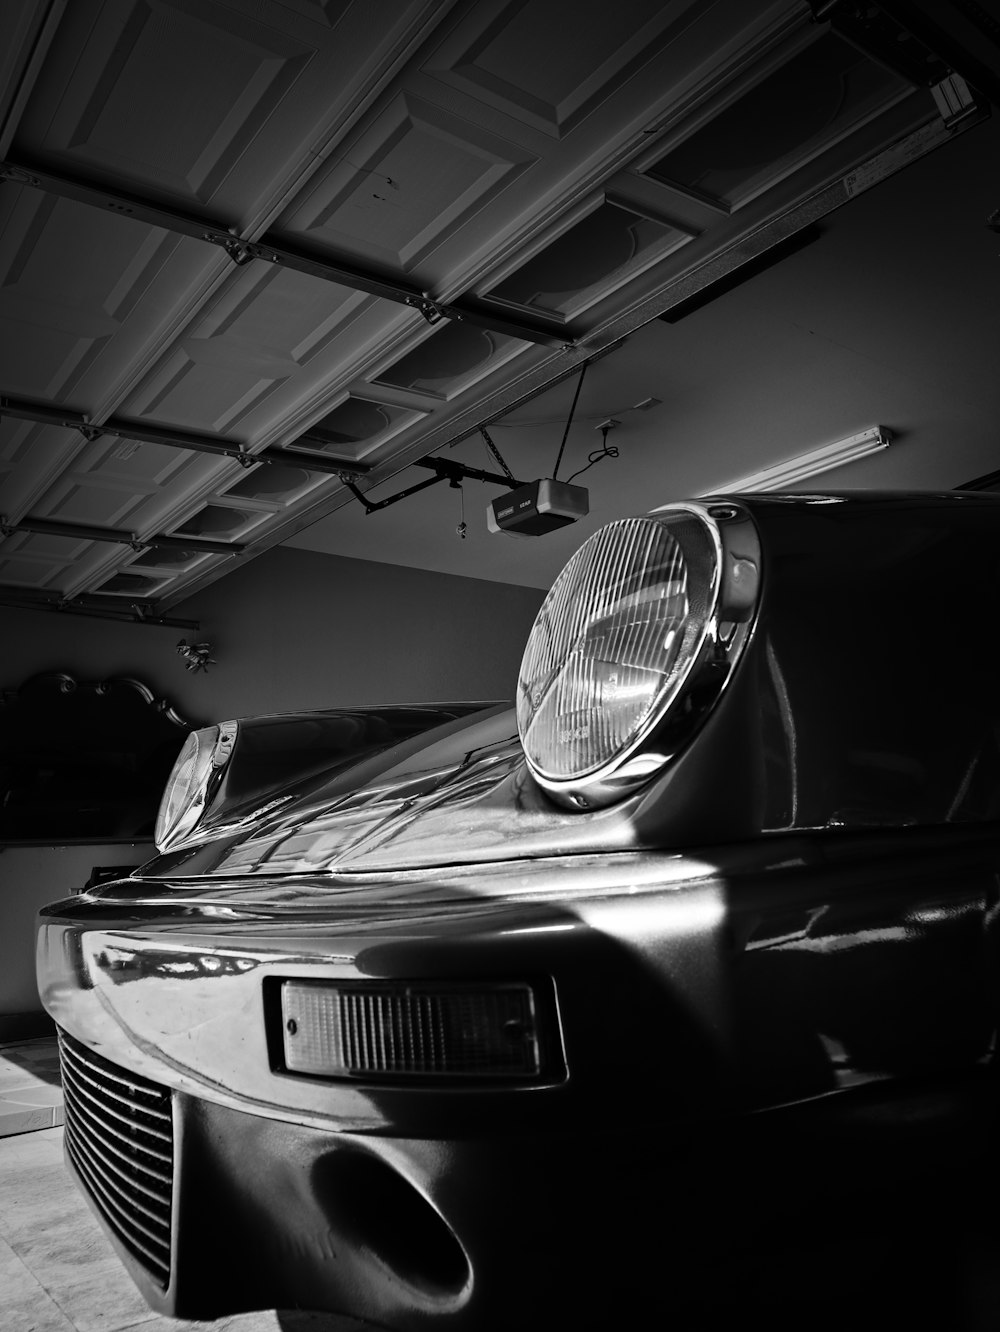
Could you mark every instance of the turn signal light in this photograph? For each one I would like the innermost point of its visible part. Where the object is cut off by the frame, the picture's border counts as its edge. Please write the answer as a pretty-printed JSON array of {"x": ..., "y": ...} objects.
[{"x": 409, "y": 1030}]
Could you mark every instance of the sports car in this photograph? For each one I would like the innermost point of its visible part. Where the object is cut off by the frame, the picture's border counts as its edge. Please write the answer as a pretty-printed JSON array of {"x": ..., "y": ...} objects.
[{"x": 472, "y": 1017}]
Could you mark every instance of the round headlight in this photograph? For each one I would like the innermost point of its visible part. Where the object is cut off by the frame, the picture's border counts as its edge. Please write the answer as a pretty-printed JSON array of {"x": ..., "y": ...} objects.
[
  {"x": 190, "y": 782},
  {"x": 622, "y": 639}
]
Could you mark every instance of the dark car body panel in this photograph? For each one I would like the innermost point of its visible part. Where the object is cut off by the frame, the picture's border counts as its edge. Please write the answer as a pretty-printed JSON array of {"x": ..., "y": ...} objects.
[{"x": 794, "y": 924}]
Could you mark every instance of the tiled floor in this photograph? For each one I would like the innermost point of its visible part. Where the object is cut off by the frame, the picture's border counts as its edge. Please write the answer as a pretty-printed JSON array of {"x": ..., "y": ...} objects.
[{"x": 30, "y": 1095}]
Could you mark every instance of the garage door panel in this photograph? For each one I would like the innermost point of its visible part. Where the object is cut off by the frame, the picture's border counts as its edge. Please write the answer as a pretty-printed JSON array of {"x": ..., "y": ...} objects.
[
  {"x": 70, "y": 279},
  {"x": 201, "y": 100},
  {"x": 523, "y": 59},
  {"x": 423, "y": 171},
  {"x": 32, "y": 560}
]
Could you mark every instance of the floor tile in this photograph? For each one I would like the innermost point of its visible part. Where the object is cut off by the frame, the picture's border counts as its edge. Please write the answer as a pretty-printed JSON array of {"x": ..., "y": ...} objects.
[
  {"x": 31, "y": 1096},
  {"x": 39, "y": 1059},
  {"x": 38, "y": 1093},
  {"x": 15, "y": 1119},
  {"x": 39, "y": 1148},
  {"x": 66, "y": 1249},
  {"x": 21, "y": 1075},
  {"x": 98, "y": 1296},
  {"x": 33, "y": 1182},
  {"x": 24, "y": 1302}
]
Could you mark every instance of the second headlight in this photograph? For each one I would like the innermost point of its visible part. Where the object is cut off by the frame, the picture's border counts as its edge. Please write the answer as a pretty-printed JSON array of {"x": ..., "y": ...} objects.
[{"x": 191, "y": 782}]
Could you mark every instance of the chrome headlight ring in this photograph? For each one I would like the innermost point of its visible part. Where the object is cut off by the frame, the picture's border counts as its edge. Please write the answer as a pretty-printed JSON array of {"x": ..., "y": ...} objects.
[{"x": 633, "y": 646}]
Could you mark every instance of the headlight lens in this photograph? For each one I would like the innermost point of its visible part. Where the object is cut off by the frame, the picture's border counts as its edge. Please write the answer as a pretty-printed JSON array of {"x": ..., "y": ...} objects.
[
  {"x": 616, "y": 643},
  {"x": 190, "y": 782}
]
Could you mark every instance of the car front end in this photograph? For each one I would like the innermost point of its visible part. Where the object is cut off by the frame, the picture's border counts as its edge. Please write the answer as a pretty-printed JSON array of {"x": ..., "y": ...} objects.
[{"x": 471, "y": 1018}]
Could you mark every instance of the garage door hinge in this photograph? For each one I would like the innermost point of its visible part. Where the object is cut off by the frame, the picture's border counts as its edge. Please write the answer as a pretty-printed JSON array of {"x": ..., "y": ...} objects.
[
  {"x": 240, "y": 251},
  {"x": 430, "y": 309},
  {"x": 18, "y": 176}
]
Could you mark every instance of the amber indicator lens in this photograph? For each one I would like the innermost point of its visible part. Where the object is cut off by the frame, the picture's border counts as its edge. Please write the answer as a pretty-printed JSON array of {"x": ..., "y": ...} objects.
[
  {"x": 409, "y": 1030},
  {"x": 616, "y": 634}
]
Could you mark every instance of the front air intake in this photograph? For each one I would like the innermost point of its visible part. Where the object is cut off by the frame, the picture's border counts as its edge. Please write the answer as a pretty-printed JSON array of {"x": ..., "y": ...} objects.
[{"x": 119, "y": 1138}]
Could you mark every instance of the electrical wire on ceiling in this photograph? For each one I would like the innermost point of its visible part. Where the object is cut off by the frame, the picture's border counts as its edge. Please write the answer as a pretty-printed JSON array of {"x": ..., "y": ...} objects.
[{"x": 605, "y": 451}]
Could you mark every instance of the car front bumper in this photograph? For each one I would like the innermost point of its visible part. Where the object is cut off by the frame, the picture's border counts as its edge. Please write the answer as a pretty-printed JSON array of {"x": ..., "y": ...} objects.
[{"x": 620, "y": 1174}]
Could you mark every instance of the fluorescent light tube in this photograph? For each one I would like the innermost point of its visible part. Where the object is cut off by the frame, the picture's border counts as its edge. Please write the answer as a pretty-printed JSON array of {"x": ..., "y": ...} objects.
[{"x": 810, "y": 464}]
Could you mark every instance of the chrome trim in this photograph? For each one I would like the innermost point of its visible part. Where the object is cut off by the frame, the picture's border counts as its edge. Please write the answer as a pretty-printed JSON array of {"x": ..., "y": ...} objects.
[{"x": 224, "y": 742}]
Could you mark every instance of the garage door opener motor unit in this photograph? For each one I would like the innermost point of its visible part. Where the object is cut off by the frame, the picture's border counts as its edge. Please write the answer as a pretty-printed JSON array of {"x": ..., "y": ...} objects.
[{"x": 538, "y": 507}]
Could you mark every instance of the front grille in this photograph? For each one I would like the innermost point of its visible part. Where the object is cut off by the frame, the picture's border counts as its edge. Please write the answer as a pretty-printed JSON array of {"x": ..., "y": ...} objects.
[{"x": 119, "y": 1136}]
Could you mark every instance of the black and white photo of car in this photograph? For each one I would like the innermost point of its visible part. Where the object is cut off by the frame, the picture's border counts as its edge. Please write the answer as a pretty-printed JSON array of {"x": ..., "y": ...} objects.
[{"x": 463, "y": 1016}]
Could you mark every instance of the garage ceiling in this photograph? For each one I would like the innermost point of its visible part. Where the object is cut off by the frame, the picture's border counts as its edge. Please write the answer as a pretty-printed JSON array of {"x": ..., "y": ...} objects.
[{"x": 261, "y": 257}]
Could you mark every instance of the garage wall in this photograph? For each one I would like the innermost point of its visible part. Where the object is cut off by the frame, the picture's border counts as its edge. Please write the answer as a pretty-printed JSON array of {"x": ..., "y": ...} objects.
[
  {"x": 31, "y": 876},
  {"x": 297, "y": 629}
]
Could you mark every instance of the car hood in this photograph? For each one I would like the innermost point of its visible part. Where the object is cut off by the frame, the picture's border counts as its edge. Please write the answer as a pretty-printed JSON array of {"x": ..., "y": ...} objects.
[
  {"x": 814, "y": 731},
  {"x": 460, "y": 793}
]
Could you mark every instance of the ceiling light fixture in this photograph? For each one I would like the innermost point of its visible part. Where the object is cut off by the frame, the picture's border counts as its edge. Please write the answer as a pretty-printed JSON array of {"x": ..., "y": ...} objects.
[{"x": 807, "y": 465}]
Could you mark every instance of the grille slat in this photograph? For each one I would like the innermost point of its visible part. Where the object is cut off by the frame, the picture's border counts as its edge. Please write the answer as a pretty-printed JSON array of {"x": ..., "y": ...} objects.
[
  {"x": 88, "y": 1102},
  {"x": 115, "y": 1160},
  {"x": 131, "y": 1088},
  {"x": 152, "y": 1254},
  {"x": 119, "y": 1136},
  {"x": 155, "y": 1228},
  {"x": 160, "y": 1128}
]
